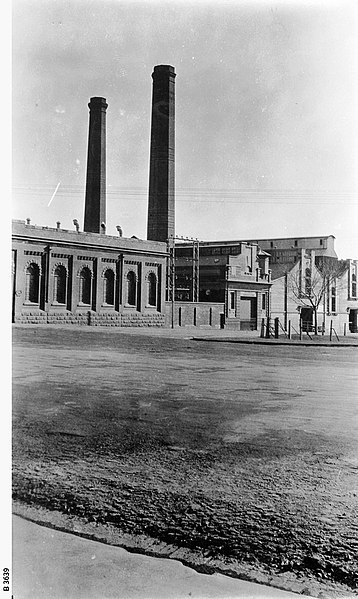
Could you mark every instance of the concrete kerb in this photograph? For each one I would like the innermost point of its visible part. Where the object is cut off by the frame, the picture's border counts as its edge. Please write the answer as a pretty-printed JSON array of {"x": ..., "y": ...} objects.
[{"x": 277, "y": 342}]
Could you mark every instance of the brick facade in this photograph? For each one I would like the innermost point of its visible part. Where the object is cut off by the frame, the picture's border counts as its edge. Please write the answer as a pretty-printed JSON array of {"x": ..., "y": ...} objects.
[{"x": 67, "y": 277}]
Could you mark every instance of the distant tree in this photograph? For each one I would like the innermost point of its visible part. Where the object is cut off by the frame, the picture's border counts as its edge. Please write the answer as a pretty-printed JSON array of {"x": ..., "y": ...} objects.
[{"x": 310, "y": 287}]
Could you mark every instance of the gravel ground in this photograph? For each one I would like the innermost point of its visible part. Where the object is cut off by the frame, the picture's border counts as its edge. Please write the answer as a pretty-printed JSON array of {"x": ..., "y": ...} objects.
[{"x": 232, "y": 458}]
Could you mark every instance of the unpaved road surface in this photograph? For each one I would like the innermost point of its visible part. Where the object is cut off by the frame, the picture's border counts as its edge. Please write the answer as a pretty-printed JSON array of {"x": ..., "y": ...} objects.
[{"x": 238, "y": 458}]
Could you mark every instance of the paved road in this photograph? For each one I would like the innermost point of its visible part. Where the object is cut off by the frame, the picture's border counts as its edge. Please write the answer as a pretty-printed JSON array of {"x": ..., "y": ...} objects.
[{"x": 49, "y": 564}]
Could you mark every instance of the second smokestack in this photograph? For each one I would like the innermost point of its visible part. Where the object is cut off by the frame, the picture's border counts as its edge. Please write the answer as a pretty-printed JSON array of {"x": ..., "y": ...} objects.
[
  {"x": 95, "y": 202},
  {"x": 161, "y": 205}
]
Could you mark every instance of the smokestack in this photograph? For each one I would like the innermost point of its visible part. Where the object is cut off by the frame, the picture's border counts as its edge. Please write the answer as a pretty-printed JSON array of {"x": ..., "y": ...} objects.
[
  {"x": 161, "y": 206},
  {"x": 95, "y": 203}
]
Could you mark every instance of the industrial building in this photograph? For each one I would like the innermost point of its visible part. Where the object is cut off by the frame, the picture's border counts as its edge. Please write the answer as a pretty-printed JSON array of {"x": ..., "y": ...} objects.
[{"x": 89, "y": 277}]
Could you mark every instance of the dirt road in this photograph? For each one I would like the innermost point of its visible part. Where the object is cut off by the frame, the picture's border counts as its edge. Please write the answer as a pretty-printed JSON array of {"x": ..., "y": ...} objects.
[{"x": 240, "y": 458}]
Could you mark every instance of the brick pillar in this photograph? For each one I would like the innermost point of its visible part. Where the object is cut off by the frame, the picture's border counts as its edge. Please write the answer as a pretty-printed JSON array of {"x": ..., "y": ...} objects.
[
  {"x": 95, "y": 204},
  {"x": 161, "y": 207}
]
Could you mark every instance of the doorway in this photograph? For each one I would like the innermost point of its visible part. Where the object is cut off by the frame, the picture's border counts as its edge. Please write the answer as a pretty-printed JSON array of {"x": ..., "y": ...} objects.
[
  {"x": 353, "y": 321},
  {"x": 307, "y": 319},
  {"x": 248, "y": 313}
]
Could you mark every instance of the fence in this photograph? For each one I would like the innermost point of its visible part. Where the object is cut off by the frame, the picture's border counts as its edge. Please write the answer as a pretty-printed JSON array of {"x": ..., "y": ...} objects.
[{"x": 269, "y": 330}]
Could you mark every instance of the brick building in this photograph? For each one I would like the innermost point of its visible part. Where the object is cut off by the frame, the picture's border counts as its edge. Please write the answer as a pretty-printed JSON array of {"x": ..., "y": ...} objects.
[
  {"x": 62, "y": 276},
  {"x": 88, "y": 277}
]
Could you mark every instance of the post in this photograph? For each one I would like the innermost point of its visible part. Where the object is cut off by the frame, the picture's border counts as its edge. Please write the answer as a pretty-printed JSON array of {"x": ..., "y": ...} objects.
[
  {"x": 330, "y": 330},
  {"x": 276, "y": 327},
  {"x": 300, "y": 329},
  {"x": 268, "y": 328},
  {"x": 289, "y": 329},
  {"x": 262, "y": 334},
  {"x": 345, "y": 329},
  {"x": 172, "y": 283}
]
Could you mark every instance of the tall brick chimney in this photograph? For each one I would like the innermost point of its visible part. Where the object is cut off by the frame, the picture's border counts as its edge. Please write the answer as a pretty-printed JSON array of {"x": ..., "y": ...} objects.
[
  {"x": 161, "y": 205},
  {"x": 95, "y": 203}
]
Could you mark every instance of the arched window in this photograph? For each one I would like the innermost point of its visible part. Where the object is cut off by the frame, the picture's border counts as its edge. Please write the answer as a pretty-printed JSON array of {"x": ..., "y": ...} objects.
[
  {"x": 131, "y": 288},
  {"x": 60, "y": 285},
  {"x": 108, "y": 287},
  {"x": 32, "y": 283},
  {"x": 152, "y": 289},
  {"x": 85, "y": 286}
]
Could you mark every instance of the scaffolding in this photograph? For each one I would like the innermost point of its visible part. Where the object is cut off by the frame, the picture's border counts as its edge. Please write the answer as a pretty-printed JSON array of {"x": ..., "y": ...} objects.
[{"x": 170, "y": 279}]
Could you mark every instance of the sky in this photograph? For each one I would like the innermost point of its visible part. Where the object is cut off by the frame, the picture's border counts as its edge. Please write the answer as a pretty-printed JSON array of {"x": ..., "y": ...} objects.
[{"x": 266, "y": 113}]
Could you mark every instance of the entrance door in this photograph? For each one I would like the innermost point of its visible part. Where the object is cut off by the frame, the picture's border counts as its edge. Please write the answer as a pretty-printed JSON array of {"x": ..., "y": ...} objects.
[
  {"x": 248, "y": 313},
  {"x": 353, "y": 321},
  {"x": 307, "y": 319}
]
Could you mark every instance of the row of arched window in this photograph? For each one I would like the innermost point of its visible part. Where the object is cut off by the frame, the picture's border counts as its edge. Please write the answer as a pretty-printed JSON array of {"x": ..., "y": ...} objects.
[{"x": 60, "y": 286}]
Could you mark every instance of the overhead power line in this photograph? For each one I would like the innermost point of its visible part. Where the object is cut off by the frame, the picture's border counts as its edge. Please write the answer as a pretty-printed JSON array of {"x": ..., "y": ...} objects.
[{"x": 208, "y": 195}]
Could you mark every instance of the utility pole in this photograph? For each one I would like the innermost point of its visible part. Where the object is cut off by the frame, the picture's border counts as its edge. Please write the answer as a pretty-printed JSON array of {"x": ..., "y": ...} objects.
[{"x": 170, "y": 290}]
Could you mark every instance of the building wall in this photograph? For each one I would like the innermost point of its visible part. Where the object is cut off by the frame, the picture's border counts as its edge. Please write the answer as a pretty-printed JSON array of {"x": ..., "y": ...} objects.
[
  {"x": 199, "y": 314},
  {"x": 339, "y": 308},
  {"x": 237, "y": 276},
  {"x": 90, "y": 279},
  {"x": 321, "y": 245}
]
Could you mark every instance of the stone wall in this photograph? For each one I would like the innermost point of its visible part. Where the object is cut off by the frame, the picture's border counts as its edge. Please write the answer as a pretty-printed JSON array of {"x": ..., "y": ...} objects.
[{"x": 89, "y": 318}]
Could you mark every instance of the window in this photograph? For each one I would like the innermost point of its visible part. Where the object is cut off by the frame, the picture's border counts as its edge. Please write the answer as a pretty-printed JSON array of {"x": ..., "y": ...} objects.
[
  {"x": 271, "y": 244},
  {"x": 296, "y": 243},
  {"x": 232, "y": 300},
  {"x": 308, "y": 284},
  {"x": 32, "y": 283},
  {"x": 152, "y": 289},
  {"x": 354, "y": 285},
  {"x": 108, "y": 287},
  {"x": 263, "y": 304},
  {"x": 333, "y": 299},
  {"x": 321, "y": 241},
  {"x": 60, "y": 284},
  {"x": 85, "y": 286},
  {"x": 131, "y": 288}
]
